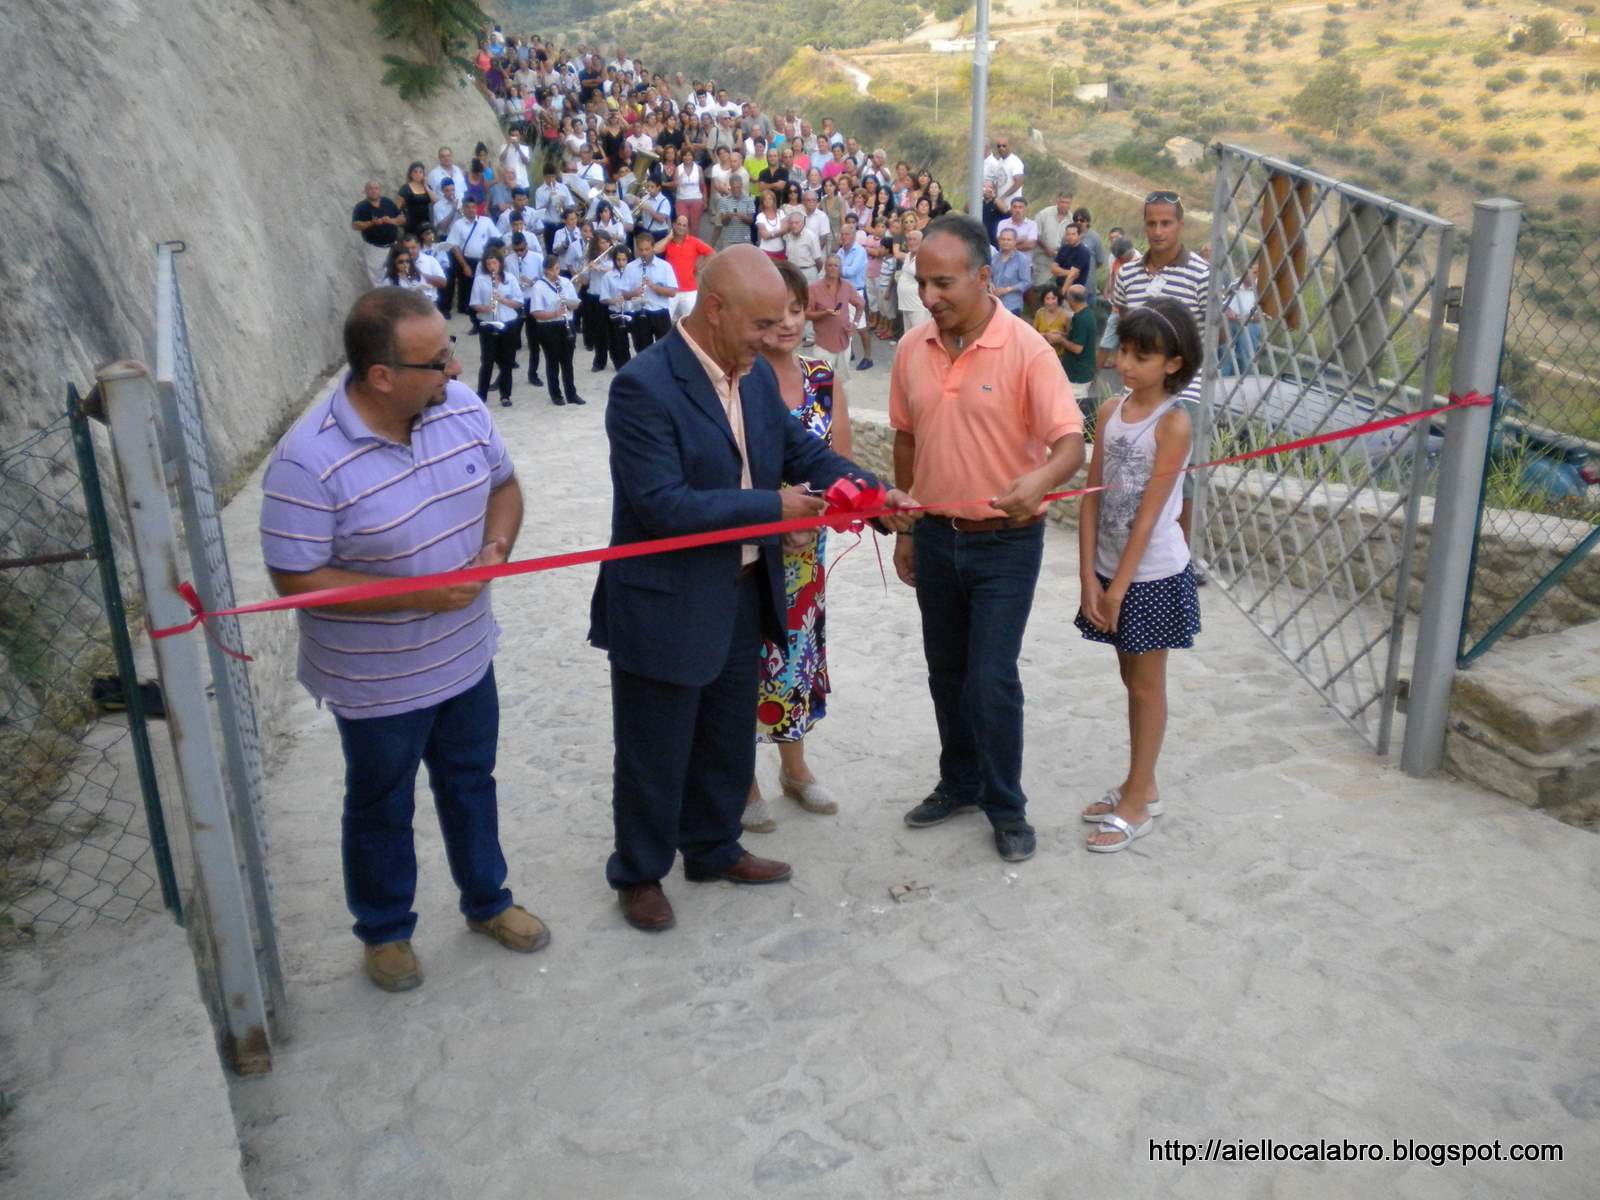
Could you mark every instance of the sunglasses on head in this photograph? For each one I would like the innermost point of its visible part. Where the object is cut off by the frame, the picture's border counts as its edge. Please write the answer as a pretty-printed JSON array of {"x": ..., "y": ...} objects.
[{"x": 1162, "y": 198}]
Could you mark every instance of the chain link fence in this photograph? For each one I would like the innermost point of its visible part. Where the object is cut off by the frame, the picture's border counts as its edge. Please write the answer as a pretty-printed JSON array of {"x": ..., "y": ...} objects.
[
  {"x": 1535, "y": 569},
  {"x": 81, "y": 834}
]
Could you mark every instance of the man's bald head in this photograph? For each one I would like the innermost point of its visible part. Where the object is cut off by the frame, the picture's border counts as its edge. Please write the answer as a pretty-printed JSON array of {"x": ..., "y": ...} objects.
[{"x": 741, "y": 296}]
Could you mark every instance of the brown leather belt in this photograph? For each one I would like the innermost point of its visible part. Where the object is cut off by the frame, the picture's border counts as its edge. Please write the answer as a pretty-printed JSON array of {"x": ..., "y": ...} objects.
[{"x": 985, "y": 525}]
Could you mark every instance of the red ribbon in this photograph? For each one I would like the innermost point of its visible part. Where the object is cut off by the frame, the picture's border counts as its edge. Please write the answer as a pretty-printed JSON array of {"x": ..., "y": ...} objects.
[{"x": 850, "y": 505}]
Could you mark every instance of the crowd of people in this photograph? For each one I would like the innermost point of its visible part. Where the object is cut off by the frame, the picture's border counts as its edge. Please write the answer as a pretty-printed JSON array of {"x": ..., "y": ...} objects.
[
  {"x": 609, "y": 166},
  {"x": 734, "y": 269}
]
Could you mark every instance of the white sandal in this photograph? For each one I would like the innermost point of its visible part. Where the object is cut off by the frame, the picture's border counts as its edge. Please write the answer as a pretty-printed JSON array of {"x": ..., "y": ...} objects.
[
  {"x": 1113, "y": 798},
  {"x": 757, "y": 817},
  {"x": 812, "y": 797},
  {"x": 1129, "y": 831}
]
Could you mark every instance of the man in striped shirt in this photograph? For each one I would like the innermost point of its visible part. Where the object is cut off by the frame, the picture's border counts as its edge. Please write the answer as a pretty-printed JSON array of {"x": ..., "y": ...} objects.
[
  {"x": 1169, "y": 269},
  {"x": 401, "y": 472}
]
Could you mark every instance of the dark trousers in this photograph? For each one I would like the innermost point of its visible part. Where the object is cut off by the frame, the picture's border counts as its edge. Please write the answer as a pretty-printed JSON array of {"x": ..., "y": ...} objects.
[
  {"x": 558, "y": 342},
  {"x": 592, "y": 319},
  {"x": 550, "y": 228},
  {"x": 617, "y": 342},
  {"x": 497, "y": 355},
  {"x": 649, "y": 327},
  {"x": 462, "y": 282},
  {"x": 684, "y": 759},
  {"x": 447, "y": 295},
  {"x": 975, "y": 591},
  {"x": 457, "y": 740},
  {"x": 531, "y": 327}
]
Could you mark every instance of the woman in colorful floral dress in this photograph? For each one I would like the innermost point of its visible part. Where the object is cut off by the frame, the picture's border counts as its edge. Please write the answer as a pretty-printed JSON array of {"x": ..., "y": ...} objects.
[{"x": 794, "y": 673}]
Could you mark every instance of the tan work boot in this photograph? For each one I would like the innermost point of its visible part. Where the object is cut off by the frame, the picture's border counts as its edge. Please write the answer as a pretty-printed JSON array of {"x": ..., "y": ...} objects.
[
  {"x": 515, "y": 928},
  {"x": 392, "y": 966}
]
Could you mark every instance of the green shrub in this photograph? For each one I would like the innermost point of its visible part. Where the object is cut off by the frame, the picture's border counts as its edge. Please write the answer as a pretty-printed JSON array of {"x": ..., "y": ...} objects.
[
  {"x": 1490, "y": 112},
  {"x": 1582, "y": 173},
  {"x": 1485, "y": 58},
  {"x": 1572, "y": 114},
  {"x": 1451, "y": 114},
  {"x": 1438, "y": 166},
  {"x": 1497, "y": 83},
  {"x": 1533, "y": 141},
  {"x": 1432, "y": 79},
  {"x": 1568, "y": 202},
  {"x": 1542, "y": 35},
  {"x": 1500, "y": 143},
  {"x": 1525, "y": 174},
  {"x": 1516, "y": 75},
  {"x": 1550, "y": 75}
]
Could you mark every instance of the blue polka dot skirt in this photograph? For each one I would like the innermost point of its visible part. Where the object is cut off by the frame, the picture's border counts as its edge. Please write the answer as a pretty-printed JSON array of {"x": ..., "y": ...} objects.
[{"x": 1159, "y": 614}]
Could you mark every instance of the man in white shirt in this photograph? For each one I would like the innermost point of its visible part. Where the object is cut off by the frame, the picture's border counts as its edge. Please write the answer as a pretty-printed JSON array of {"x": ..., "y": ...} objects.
[
  {"x": 447, "y": 169},
  {"x": 519, "y": 208},
  {"x": 800, "y": 246},
  {"x": 1004, "y": 170},
  {"x": 514, "y": 158},
  {"x": 552, "y": 200},
  {"x": 817, "y": 220},
  {"x": 1026, "y": 231},
  {"x": 446, "y": 209},
  {"x": 650, "y": 284},
  {"x": 727, "y": 167},
  {"x": 1050, "y": 220},
  {"x": 468, "y": 239},
  {"x": 590, "y": 177}
]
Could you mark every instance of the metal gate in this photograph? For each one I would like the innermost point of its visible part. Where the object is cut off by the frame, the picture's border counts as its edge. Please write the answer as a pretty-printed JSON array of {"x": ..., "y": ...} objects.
[
  {"x": 185, "y": 443},
  {"x": 1326, "y": 309}
]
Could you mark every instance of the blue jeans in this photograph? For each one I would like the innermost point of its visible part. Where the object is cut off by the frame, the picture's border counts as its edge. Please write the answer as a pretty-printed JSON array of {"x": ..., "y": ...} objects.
[
  {"x": 975, "y": 591},
  {"x": 457, "y": 740}
]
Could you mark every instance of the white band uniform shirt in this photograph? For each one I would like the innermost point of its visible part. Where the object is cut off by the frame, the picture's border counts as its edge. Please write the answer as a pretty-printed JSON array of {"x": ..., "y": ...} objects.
[
  {"x": 552, "y": 199},
  {"x": 658, "y": 271},
  {"x": 657, "y": 213},
  {"x": 548, "y": 297},
  {"x": 505, "y": 295},
  {"x": 503, "y": 221},
  {"x": 337, "y": 494},
  {"x": 472, "y": 237},
  {"x": 610, "y": 290},
  {"x": 525, "y": 268},
  {"x": 567, "y": 246}
]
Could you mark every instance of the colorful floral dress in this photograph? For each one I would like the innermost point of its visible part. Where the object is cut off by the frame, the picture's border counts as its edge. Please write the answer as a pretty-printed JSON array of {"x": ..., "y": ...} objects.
[{"x": 794, "y": 673}]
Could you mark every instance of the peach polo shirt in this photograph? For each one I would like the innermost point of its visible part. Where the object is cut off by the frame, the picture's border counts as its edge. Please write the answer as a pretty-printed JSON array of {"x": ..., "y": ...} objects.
[
  {"x": 980, "y": 419},
  {"x": 726, "y": 387}
]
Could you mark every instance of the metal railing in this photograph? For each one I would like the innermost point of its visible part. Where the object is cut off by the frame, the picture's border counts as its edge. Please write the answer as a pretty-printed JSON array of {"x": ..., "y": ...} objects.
[{"x": 1338, "y": 298}]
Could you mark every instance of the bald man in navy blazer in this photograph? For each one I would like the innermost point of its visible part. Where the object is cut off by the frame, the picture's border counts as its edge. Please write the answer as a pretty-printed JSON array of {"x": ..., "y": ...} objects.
[{"x": 700, "y": 440}]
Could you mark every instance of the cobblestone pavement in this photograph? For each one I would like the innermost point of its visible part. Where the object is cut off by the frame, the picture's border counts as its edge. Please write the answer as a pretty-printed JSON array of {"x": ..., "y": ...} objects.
[{"x": 1311, "y": 946}]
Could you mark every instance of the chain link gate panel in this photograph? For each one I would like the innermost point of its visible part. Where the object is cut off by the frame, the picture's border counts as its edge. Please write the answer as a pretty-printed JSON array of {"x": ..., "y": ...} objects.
[
  {"x": 186, "y": 444},
  {"x": 1540, "y": 515},
  {"x": 82, "y": 835},
  {"x": 1326, "y": 308}
]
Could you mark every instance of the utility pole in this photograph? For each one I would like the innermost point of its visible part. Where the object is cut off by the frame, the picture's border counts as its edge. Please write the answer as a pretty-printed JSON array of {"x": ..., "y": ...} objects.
[{"x": 980, "y": 107}]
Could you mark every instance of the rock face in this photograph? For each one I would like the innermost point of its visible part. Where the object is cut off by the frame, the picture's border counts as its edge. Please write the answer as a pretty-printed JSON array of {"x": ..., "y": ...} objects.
[{"x": 243, "y": 128}]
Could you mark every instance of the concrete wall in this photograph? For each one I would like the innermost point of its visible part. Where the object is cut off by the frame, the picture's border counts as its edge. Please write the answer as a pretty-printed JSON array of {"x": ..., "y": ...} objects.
[{"x": 244, "y": 128}]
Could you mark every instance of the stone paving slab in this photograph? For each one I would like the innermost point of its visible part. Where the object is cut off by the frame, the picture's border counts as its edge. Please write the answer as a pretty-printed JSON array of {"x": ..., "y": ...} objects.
[{"x": 1310, "y": 946}]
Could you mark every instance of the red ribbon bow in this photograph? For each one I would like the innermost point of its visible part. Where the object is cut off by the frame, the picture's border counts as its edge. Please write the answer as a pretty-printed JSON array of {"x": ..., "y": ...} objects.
[{"x": 847, "y": 496}]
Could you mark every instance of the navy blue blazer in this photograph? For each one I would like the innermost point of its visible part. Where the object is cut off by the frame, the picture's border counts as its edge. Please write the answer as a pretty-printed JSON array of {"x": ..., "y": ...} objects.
[{"x": 675, "y": 470}]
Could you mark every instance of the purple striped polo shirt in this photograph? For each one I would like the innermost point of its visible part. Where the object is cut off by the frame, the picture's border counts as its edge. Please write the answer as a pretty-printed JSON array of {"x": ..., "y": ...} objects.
[{"x": 339, "y": 495}]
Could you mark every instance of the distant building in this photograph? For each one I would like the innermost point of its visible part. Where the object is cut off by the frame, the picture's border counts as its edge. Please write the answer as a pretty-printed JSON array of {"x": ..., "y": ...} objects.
[
  {"x": 1089, "y": 93},
  {"x": 958, "y": 45}
]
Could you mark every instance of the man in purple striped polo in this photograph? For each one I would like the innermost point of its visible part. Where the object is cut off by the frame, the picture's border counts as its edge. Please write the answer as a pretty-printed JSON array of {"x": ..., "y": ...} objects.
[{"x": 401, "y": 472}]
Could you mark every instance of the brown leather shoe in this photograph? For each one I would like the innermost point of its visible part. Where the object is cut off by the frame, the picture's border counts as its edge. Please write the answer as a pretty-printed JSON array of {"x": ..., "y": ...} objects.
[
  {"x": 645, "y": 906},
  {"x": 515, "y": 928},
  {"x": 749, "y": 869},
  {"x": 392, "y": 966}
]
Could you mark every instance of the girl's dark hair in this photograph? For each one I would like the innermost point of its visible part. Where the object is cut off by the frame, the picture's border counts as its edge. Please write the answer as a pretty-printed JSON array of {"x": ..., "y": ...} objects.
[{"x": 1164, "y": 327}]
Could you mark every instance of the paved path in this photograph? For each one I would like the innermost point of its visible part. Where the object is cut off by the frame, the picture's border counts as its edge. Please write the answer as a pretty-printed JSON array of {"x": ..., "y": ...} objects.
[{"x": 1310, "y": 946}]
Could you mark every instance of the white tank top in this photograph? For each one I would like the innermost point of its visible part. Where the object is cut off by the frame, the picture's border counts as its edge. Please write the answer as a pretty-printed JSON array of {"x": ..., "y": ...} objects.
[{"x": 1128, "y": 456}]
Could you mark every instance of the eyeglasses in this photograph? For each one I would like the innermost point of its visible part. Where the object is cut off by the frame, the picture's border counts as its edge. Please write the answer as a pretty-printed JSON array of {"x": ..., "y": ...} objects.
[
  {"x": 1162, "y": 198},
  {"x": 442, "y": 364}
]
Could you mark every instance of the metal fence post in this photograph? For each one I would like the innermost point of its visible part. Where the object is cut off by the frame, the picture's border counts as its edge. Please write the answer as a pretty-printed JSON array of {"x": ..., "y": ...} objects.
[
  {"x": 1485, "y": 302},
  {"x": 130, "y": 405}
]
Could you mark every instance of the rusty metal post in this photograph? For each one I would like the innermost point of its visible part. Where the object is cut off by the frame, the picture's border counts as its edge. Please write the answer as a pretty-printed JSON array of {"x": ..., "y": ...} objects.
[{"x": 224, "y": 946}]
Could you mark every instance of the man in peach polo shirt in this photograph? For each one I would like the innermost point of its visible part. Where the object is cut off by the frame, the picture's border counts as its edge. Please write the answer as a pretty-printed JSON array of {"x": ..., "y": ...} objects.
[{"x": 980, "y": 408}]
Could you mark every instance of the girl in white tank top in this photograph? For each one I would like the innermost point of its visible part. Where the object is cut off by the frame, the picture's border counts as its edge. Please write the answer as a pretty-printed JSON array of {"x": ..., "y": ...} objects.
[{"x": 1138, "y": 592}]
